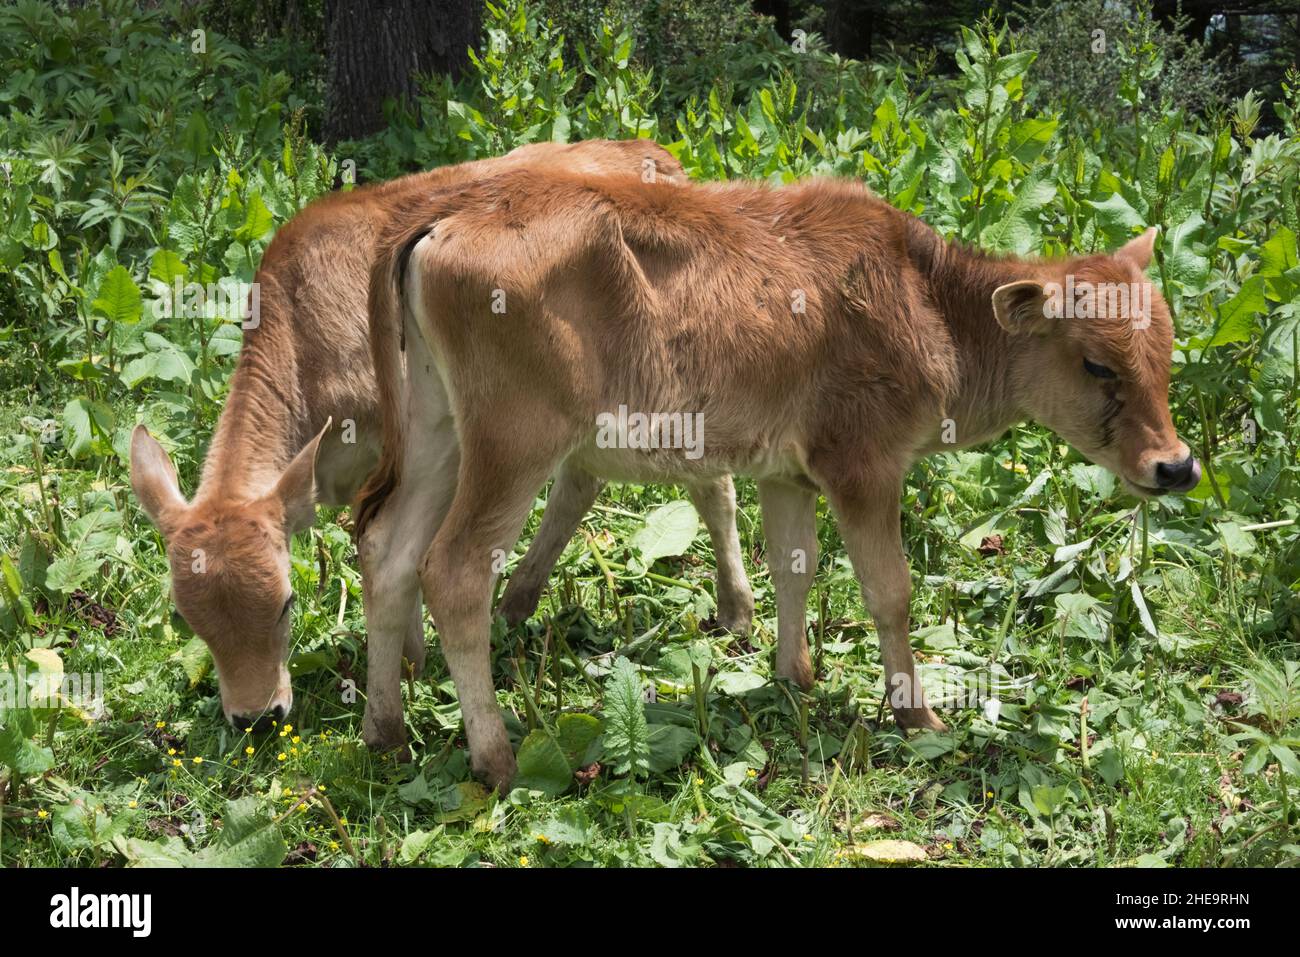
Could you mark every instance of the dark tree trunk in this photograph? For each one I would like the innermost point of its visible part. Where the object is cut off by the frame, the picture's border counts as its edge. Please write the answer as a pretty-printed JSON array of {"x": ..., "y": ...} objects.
[
  {"x": 850, "y": 27},
  {"x": 376, "y": 47},
  {"x": 778, "y": 10}
]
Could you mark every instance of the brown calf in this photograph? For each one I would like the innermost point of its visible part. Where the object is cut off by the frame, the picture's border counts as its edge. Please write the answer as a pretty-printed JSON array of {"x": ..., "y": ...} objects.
[
  {"x": 274, "y": 455},
  {"x": 826, "y": 339}
]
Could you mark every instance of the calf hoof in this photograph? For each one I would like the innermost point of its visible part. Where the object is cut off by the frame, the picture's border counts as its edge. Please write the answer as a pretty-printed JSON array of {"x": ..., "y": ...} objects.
[
  {"x": 736, "y": 622},
  {"x": 518, "y": 604},
  {"x": 918, "y": 719},
  {"x": 799, "y": 671},
  {"x": 495, "y": 770},
  {"x": 385, "y": 735}
]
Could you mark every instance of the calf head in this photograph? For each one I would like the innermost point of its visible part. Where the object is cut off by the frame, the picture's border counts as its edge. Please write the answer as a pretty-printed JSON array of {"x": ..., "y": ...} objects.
[
  {"x": 230, "y": 572},
  {"x": 1094, "y": 340}
]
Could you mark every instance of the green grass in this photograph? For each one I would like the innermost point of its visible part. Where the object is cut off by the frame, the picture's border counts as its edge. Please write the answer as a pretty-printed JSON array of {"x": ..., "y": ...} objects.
[{"x": 787, "y": 778}]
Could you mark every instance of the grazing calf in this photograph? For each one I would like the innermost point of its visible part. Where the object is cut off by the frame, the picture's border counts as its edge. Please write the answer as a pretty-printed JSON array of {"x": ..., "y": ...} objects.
[
  {"x": 274, "y": 455},
  {"x": 826, "y": 340}
]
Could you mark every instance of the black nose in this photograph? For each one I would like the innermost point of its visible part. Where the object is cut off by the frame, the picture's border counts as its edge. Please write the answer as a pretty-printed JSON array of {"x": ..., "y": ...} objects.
[
  {"x": 1176, "y": 475},
  {"x": 259, "y": 723}
]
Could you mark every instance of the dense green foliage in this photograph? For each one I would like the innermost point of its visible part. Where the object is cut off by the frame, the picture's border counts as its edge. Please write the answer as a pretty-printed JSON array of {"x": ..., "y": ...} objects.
[{"x": 1145, "y": 658}]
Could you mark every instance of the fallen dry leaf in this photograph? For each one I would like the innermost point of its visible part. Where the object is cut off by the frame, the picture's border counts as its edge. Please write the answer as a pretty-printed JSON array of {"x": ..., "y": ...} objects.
[
  {"x": 878, "y": 821},
  {"x": 886, "y": 852}
]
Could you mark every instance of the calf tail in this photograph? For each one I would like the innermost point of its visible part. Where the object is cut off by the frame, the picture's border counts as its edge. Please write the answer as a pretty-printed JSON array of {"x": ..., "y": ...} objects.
[{"x": 387, "y": 346}]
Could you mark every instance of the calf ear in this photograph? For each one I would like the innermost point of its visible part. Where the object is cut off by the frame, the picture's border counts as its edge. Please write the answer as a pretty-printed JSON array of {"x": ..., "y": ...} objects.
[
  {"x": 153, "y": 477},
  {"x": 1139, "y": 249},
  {"x": 1022, "y": 307},
  {"x": 296, "y": 489}
]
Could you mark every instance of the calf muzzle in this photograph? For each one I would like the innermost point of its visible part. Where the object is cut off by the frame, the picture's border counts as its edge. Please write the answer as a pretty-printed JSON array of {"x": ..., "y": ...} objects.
[{"x": 1179, "y": 476}]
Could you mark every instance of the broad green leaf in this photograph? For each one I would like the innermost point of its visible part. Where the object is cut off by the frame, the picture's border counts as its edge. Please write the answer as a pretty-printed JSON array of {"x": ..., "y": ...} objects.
[
  {"x": 20, "y": 752},
  {"x": 69, "y": 573},
  {"x": 1236, "y": 541},
  {"x": 933, "y": 744},
  {"x": 577, "y": 736},
  {"x": 87, "y": 428},
  {"x": 1116, "y": 218},
  {"x": 543, "y": 765},
  {"x": 668, "y": 530},
  {"x": 167, "y": 267},
  {"x": 118, "y": 299},
  {"x": 1144, "y": 613},
  {"x": 1278, "y": 256},
  {"x": 1016, "y": 230},
  {"x": 258, "y": 220},
  {"x": 627, "y": 744},
  {"x": 415, "y": 844},
  {"x": 247, "y": 838},
  {"x": 195, "y": 660},
  {"x": 670, "y": 744},
  {"x": 1048, "y": 798},
  {"x": 570, "y": 826},
  {"x": 1237, "y": 315}
]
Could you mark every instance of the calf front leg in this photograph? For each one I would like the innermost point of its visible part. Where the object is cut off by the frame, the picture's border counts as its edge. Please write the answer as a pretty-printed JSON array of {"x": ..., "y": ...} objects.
[
  {"x": 390, "y": 551},
  {"x": 869, "y": 524},
  {"x": 572, "y": 495},
  {"x": 389, "y": 554},
  {"x": 790, "y": 527},
  {"x": 716, "y": 502}
]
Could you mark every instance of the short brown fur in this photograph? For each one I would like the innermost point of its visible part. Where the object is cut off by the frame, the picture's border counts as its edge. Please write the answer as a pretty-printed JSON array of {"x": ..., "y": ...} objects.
[{"x": 662, "y": 297}]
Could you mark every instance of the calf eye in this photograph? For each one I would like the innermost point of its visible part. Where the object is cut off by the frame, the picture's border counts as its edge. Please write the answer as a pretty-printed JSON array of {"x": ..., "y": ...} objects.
[
  {"x": 1100, "y": 371},
  {"x": 288, "y": 603}
]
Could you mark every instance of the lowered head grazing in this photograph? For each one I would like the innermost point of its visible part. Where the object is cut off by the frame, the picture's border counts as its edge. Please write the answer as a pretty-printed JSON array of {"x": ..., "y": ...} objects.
[
  {"x": 1095, "y": 346},
  {"x": 230, "y": 573}
]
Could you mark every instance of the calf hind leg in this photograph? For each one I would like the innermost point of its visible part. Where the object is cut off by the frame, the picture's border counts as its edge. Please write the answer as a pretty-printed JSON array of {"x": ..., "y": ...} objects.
[
  {"x": 790, "y": 527},
  {"x": 413, "y": 647},
  {"x": 493, "y": 495},
  {"x": 571, "y": 497},
  {"x": 716, "y": 502}
]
